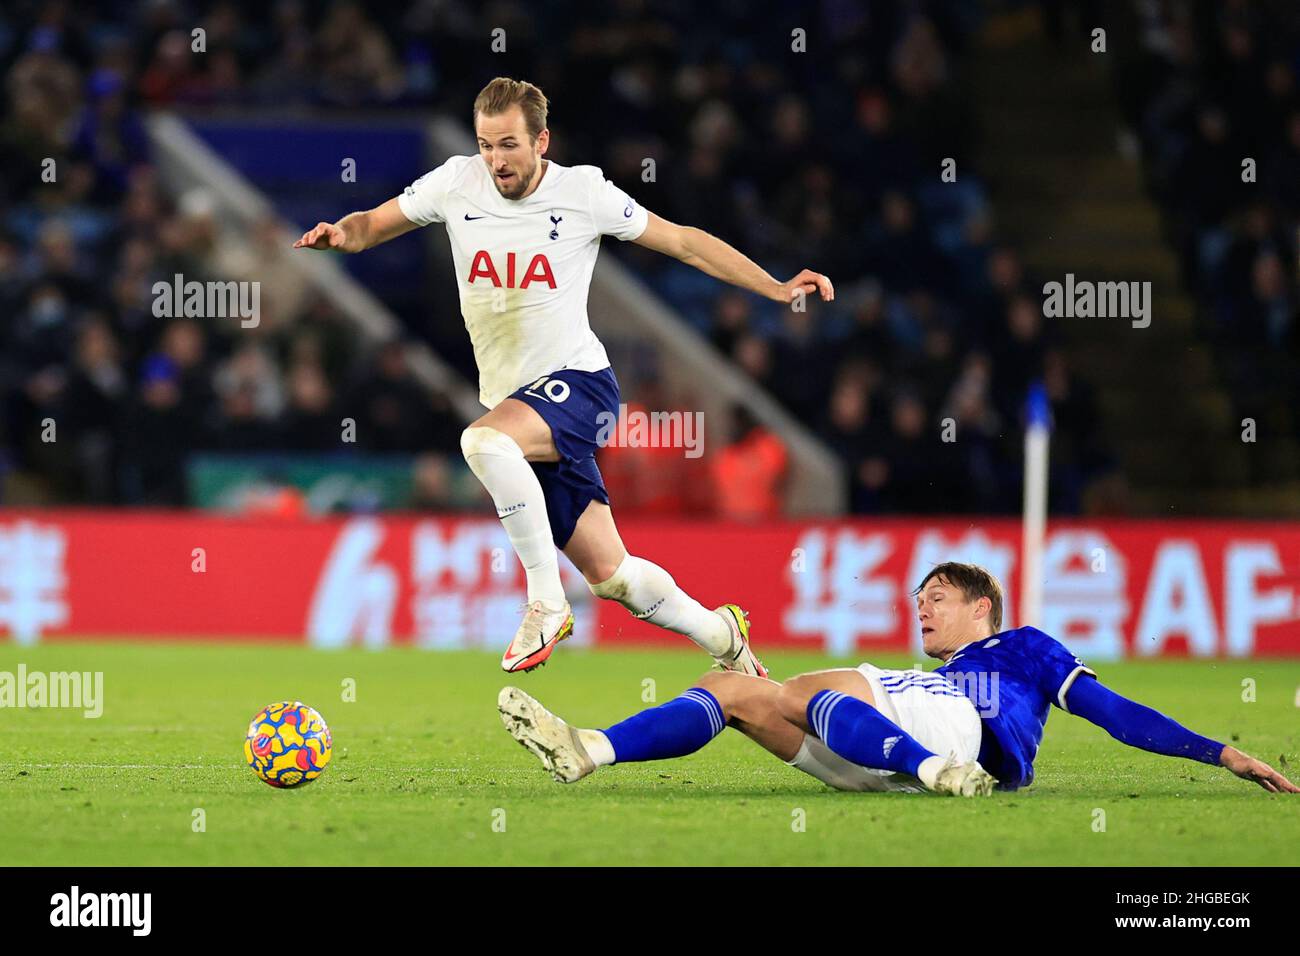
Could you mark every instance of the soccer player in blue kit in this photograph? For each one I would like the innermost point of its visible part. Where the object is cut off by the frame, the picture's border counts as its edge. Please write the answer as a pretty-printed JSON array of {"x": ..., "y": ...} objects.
[{"x": 972, "y": 725}]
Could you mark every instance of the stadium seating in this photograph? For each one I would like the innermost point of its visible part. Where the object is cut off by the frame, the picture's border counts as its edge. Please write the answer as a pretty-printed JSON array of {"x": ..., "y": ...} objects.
[{"x": 932, "y": 321}]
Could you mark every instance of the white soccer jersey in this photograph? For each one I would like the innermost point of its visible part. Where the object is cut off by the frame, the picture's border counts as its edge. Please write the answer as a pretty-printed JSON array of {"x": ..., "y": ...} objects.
[{"x": 523, "y": 266}]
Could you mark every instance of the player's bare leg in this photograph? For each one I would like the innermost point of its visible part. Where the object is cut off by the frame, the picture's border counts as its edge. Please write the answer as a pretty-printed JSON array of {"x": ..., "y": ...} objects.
[
  {"x": 498, "y": 448},
  {"x": 942, "y": 774},
  {"x": 750, "y": 706},
  {"x": 651, "y": 594},
  {"x": 798, "y": 691},
  {"x": 522, "y": 423},
  {"x": 736, "y": 700}
]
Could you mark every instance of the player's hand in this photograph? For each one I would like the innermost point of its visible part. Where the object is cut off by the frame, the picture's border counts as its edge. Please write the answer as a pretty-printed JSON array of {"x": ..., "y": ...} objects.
[
  {"x": 324, "y": 235},
  {"x": 806, "y": 282},
  {"x": 1248, "y": 768}
]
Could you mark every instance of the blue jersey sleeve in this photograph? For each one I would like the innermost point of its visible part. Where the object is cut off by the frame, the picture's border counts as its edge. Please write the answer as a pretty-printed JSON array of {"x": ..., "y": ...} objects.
[
  {"x": 1056, "y": 668},
  {"x": 1139, "y": 726}
]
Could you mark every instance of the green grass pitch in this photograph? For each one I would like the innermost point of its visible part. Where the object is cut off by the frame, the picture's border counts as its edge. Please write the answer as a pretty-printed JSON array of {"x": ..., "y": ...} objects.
[{"x": 423, "y": 772}]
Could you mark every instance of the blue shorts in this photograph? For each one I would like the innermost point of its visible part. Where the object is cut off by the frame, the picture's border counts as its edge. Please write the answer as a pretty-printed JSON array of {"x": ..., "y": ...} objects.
[{"x": 576, "y": 405}]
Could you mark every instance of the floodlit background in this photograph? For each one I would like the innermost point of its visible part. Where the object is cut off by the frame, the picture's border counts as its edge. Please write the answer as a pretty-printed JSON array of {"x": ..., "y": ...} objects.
[
  {"x": 943, "y": 162},
  {"x": 205, "y": 514}
]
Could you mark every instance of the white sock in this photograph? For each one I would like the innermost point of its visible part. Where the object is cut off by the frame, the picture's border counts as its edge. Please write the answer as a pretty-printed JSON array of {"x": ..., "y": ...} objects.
[
  {"x": 651, "y": 594},
  {"x": 598, "y": 747},
  {"x": 928, "y": 770},
  {"x": 498, "y": 462},
  {"x": 829, "y": 767}
]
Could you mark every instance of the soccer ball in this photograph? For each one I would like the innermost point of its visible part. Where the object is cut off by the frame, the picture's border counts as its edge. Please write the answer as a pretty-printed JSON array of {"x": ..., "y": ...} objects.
[{"x": 288, "y": 744}]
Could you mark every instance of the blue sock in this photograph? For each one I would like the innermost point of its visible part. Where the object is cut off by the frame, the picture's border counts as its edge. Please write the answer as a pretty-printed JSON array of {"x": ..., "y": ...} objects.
[
  {"x": 681, "y": 726},
  {"x": 859, "y": 733}
]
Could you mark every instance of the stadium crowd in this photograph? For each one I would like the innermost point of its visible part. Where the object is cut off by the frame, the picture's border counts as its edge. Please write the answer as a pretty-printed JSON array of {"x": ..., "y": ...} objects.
[
  {"x": 828, "y": 159},
  {"x": 1211, "y": 95},
  {"x": 103, "y": 400}
]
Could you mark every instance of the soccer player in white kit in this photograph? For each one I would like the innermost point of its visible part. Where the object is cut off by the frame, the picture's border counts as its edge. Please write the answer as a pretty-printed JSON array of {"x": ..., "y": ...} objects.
[{"x": 524, "y": 235}]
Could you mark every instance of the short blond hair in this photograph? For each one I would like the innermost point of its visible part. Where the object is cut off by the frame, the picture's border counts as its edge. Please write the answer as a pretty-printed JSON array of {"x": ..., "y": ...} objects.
[{"x": 503, "y": 93}]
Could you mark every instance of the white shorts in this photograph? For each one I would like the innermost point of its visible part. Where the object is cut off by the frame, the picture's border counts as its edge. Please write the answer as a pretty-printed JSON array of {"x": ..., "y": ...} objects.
[{"x": 927, "y": 706}]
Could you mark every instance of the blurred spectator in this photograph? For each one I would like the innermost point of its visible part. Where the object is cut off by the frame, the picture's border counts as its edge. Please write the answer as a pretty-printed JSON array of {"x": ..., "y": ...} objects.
[
  {"x": 183, "y": 342},
  {"x": 274, "y": 500},
  {"x": 981, "y": 439},
  {"x": 311, "y": 423},
  {"x": 432, "y": 480},
  {"x": 1079, "y": 453},
  {"x": 392, "y": 409},
  {"x": 749, "y": 474},
  {"x": 732, "y": 316},
  {"x": 869, "y": 336},
  {"x": 91, "y": 407},
  {"x": 754, "y": 356},
  {"x": 109, "y": 135},
  {"x": 173, "y": 72},
  {"x": 921, "y": 473},
  {"x": 356, "y": 60},
  {"x": 801, "y": 364},
  {"x": 1018, "y": 354},
  {"x": 657, "y": 478},
  {"x": 156, "y": 436}
]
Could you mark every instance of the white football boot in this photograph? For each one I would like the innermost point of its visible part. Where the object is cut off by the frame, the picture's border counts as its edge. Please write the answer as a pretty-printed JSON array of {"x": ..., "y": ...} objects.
[
  {"x": 740, "y": 657},
  {"x": 537, "y": 636},
  {"x": 553, "y": 741},
  {"x": 963, "y": 779}
]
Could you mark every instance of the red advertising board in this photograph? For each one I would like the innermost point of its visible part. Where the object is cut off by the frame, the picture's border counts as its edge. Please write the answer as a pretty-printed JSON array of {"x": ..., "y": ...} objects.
[{"x": 1111, "y": 588}]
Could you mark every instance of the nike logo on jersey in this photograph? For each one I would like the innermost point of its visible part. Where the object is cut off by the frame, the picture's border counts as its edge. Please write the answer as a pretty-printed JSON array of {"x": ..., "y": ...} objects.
[{"x": 469, "y": 218}]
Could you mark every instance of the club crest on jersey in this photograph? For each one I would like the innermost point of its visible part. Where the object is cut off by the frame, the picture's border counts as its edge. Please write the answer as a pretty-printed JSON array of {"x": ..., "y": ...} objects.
[
  {"x": 539, "y": 270},
  {"x": 555, "y": 223}
]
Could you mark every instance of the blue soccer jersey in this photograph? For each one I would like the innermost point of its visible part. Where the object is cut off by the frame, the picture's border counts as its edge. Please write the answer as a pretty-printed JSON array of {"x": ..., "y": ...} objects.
[{"x": 1012, "y": 678}]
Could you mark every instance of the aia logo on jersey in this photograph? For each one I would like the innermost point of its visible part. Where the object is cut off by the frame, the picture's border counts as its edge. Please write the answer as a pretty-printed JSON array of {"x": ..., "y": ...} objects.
[{"x": 539, "y": 270}]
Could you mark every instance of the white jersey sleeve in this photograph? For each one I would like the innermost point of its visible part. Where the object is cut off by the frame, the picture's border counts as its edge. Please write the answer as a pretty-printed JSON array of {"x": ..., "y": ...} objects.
[
  {"x": 613, "y": 211},
  {"x": 424, "y": 201}
]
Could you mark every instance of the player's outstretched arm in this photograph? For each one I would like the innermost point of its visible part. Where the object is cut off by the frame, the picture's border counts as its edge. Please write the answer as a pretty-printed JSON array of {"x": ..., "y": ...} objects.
[
  {"x": 712, "y": 256},
  {"x": 358, "y": 231},
  {"x": 1139, "y": 726}
]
